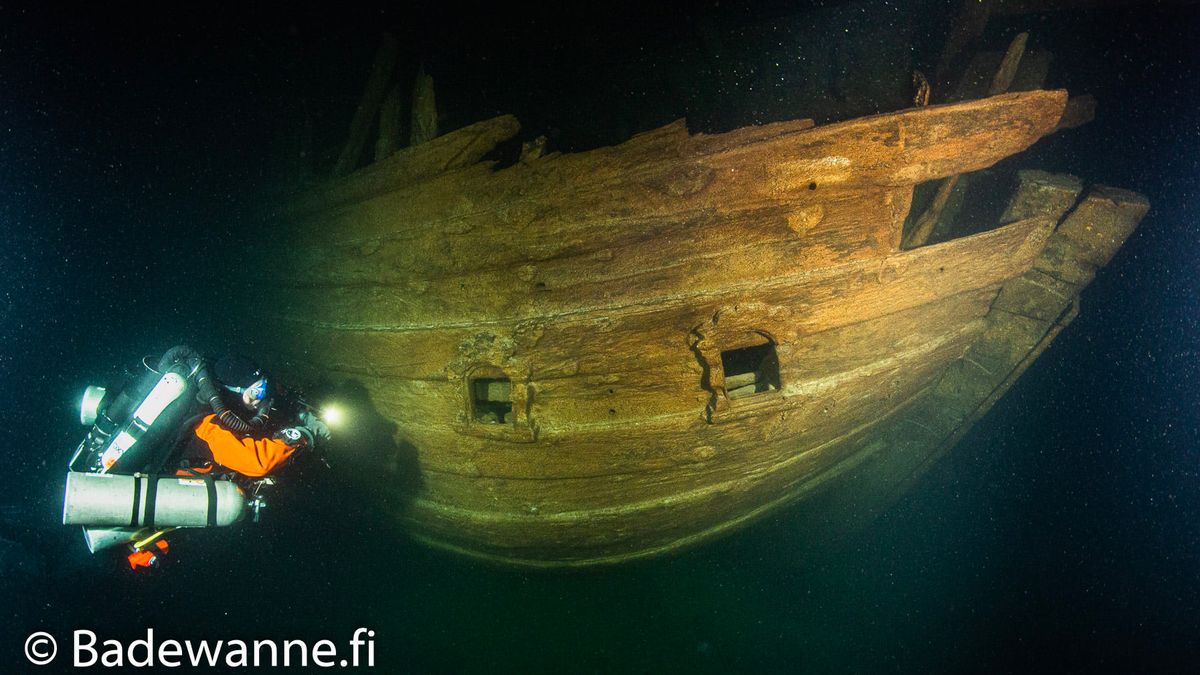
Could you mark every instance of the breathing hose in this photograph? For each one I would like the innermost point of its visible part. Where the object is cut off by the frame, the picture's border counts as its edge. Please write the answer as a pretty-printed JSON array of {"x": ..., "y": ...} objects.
[{"x": 209, "y": 393}]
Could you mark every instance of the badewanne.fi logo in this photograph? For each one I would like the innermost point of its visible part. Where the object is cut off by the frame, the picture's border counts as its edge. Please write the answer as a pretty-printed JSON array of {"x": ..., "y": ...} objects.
[{"x": 87, "y": 650}]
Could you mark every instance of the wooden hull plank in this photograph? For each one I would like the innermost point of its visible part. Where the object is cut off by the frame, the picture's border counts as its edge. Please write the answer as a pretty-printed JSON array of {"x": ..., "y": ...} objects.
[
  {"x": 565, "y": 203},
  {"x": 1092, "y": 232},
  {"x": 820, "y": 299},
  {"x": 604, "y": 287}
]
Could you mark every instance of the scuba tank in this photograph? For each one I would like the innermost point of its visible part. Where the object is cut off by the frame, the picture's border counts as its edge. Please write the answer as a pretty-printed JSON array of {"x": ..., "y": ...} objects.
[
  {"x": 128, "y": 428},
  {"x": 141, "y": 501},
  {"x": 132, "y": 433}
]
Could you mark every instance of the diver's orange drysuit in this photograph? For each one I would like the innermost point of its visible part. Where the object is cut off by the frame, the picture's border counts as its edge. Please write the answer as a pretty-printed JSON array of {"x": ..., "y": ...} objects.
[
  {"x": 214, "y": 444},
  {"x": 252, "y": 457}
]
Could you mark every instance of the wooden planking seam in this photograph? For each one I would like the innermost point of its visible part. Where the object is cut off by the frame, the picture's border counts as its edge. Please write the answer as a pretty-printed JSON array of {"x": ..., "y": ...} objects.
[
  {"x": 1028, "y": 231},
  {"x": 1025, "y": 129},
  {"x": 675, "y": 498}
]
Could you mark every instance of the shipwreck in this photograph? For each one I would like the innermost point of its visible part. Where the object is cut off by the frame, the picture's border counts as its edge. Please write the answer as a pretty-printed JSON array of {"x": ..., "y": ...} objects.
[{"x": 596, "y": 357}]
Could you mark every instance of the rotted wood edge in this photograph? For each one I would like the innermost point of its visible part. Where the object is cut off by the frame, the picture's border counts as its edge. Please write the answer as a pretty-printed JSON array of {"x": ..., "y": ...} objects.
[
  {"x": 460, "y": 148},
  {"x": 799, "y": 491},
  {"x": 1030, "y": 311}
]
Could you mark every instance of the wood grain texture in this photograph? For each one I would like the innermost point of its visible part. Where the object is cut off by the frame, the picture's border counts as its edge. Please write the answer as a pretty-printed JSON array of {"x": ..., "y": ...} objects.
[
  {"x": 607, "y": 289},
  {"x": 1029, "y": 312}
]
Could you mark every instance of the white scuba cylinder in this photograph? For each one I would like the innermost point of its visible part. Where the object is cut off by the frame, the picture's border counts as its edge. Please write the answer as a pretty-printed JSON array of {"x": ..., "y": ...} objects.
[
  {"x": 102, "y": 499},
  {"x": 164, "y": 393},
  {"x": 99, "y": 538}
]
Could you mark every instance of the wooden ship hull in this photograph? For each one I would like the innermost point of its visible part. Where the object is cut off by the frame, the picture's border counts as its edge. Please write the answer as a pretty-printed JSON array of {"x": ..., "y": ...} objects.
[{"x": 596, "y": 357}]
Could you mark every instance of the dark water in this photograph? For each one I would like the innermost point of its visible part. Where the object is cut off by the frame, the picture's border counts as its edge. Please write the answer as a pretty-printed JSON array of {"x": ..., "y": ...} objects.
[{"x": 1063, "y": 534}]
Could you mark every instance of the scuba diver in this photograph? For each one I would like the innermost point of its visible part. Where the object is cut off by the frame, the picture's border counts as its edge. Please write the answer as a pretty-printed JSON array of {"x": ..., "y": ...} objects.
[
  {"x": 250, "y": 448},
  {"x": 224, "y": 428}
]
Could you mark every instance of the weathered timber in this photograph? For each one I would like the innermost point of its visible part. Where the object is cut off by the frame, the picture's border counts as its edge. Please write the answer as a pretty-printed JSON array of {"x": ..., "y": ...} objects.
[
  {"x": 1033, "y": 308},
  {"x": 968, "y": 24},
  {"x": 389, "y": 125},
  {"x": 976, "y": 81},
  {"x": 547, "y": 341},
  {"x": 1001, "y": 81},
  {"x": 1080, "y": 110},
  {"x": 921, "y": 89},
  {"x": 1031, "y": 75},
  {"x": 588, "y": 204},
  {"x": 424, "y": 125},
  {"x": 1028, "y": 313},
  {"x": 455, "y": 150},
  {"x": 533, "y": 149},
  {"x": 1008, "y": 66},
  {"x": 368, "y": 108},
  {"x": 972, "y": 19}
]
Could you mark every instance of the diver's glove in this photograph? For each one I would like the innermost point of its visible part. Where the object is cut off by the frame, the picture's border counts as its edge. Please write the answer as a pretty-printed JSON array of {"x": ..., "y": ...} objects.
[
  {"x": 298, "y": 437},
  {"x": 308, "y": 433},
  {"x": 315, "y": 426}
]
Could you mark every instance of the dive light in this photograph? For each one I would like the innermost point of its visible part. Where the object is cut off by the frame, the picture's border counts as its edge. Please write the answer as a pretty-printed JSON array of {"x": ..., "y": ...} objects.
[{"x": 332, "y": 415}]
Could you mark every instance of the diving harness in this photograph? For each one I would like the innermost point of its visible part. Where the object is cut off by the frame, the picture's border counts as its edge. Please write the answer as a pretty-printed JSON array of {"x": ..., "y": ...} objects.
[{"x": 115, "y": 488}]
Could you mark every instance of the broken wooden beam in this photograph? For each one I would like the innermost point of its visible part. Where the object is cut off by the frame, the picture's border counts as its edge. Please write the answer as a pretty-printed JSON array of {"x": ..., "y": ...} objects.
[
  {"x": 364, "y": 115},
  {"x": 389, "y": 124},
  {"x": 424, "y": 110},
  {"x": 1008, "y": 65},
  {"x": 532, "y": 150},
  {"x": 1003, "y": 78},
  {"x": 1029, "y": 311},
  {"x": 1091, "y": 234},
  {"x": 1080, "y": 110},
  {"x": 969, "y": 24},
  {"x": 460, "y": 148}
]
